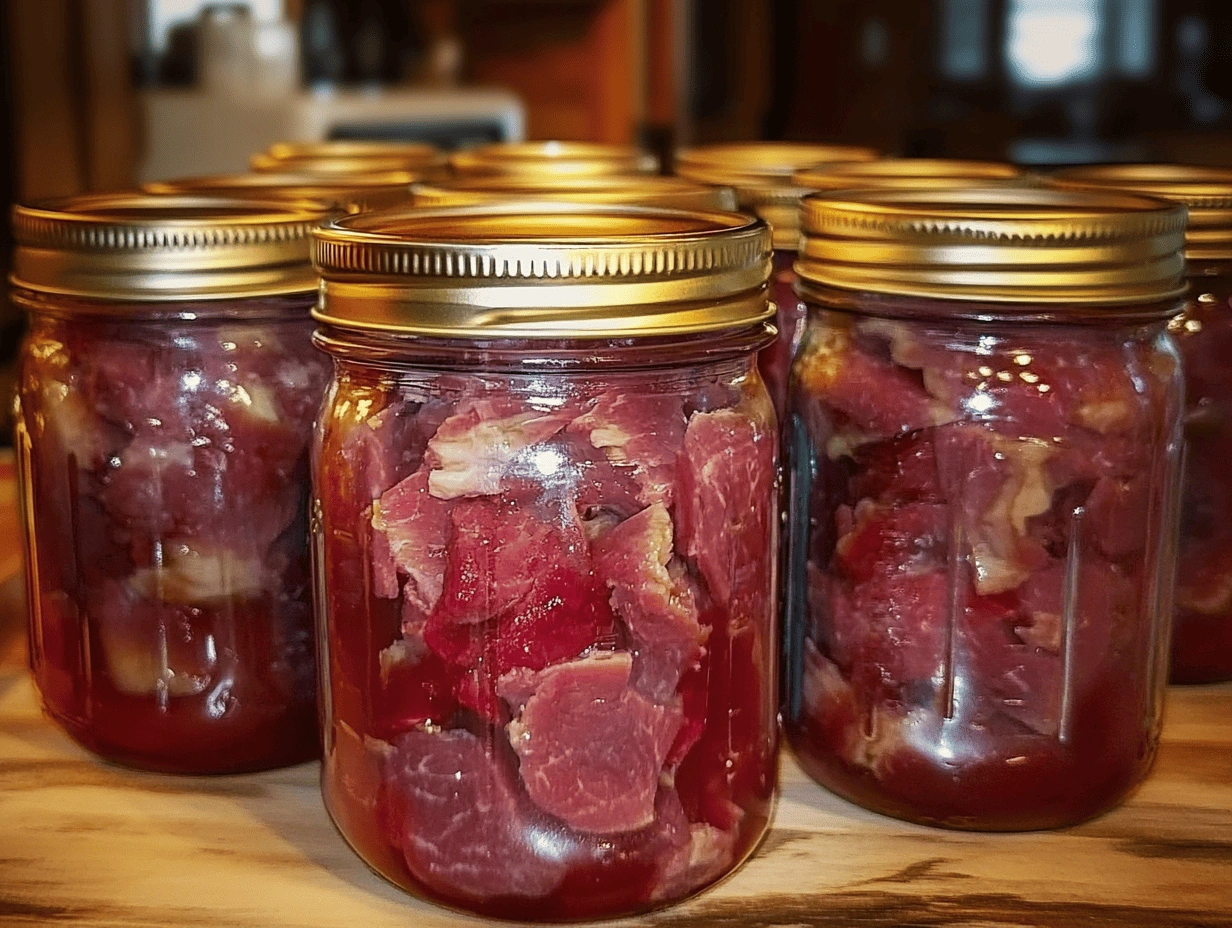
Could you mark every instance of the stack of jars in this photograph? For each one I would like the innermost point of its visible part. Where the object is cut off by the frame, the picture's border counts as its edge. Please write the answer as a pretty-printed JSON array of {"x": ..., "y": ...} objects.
[{"x": 539, "y": 511}]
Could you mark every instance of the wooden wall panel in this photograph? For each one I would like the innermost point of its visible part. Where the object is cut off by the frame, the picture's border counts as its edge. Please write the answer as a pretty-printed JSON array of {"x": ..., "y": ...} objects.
[
  {"x": 50, "y": 146},
  {"x": 111, "y": 126},
  {"x": 577, "y": 65},
  {"x": 72, "y": 96},
  {"x": 730, "y": 68}
]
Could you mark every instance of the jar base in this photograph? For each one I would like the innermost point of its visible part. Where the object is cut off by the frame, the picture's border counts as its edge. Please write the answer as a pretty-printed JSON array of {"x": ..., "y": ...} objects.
[
  {"x": 955, "y": 808},
  {"x": 266, "y": 748},
  {"x": 546, "y": 910}
]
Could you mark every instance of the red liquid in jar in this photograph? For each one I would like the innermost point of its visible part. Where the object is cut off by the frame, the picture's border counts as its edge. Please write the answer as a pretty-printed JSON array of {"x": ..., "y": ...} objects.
[
  {"x": 774, "y": 361},
  {"x": 980, "y": 563},
  {"x": 165, "y": 475},
  {"x": 1202, "y": 635},
  {"x": 549, "y": 611}
]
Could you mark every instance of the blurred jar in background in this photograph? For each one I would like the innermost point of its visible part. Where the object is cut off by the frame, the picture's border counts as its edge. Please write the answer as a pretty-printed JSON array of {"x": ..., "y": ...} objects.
[
  {"x": 349, "y": 157},
  {"x": 761, "y": 174},
  {"x": 615, "y": 190},
  {"x": 341, "y": 192},
  {"x": 984, "y": 458},
  {"x": 167, "y": 391},
  {"x": 1202, "y": 636},
  {"x": 242, "y": 57},
  {"x": 553, "y": 159},
  {"x": 904, "y": 173}
]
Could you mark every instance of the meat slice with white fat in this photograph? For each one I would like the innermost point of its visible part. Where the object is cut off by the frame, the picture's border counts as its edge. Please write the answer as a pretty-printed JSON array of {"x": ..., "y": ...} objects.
[{"x": 592, "y": 747}]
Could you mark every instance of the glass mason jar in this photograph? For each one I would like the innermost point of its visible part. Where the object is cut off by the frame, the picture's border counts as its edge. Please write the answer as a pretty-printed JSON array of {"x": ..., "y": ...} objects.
[
  {"x": 1202, "y": 632},
  {"x": 983, "y": 465},
  {"x": 761, "y": 174},
  {"x": 545, "y": 547},
  {"x": 167, "y": 390},
  {"x": 552, "y": 159},
  {"x": 342, "y": 192}
]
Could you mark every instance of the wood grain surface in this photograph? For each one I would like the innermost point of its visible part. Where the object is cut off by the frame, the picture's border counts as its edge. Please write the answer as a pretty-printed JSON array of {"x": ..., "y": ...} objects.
[{"x": 84, "y": 843}]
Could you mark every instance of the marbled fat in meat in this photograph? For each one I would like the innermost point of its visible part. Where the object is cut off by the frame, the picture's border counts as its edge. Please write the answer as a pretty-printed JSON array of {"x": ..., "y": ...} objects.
[
  {"x": 873, "y": 395},
  {"x": 726, "y": 507},
  {"x": 465, "y": 831},
  {"x": 640, "y": 433},
  {"x": 591, "y": 746},
  {"x": 655, "y": 601},
  {"x": 416, "y": 527},
  {"x": 473, "y": 451},
  {"x": 995, "y": 485},
  {"x": 519, "y": 592}
]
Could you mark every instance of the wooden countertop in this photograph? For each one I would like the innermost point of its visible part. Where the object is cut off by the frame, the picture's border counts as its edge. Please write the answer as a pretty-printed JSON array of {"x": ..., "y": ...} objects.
[{"x": 83, "y": 843}]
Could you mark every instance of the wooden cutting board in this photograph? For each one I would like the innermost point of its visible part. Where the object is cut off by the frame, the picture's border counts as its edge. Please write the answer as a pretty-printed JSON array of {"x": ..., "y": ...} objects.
[{"x": 84, "y": 843}]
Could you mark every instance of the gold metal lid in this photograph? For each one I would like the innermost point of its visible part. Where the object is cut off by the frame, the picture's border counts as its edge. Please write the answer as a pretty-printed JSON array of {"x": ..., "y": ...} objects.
[
  {"x": 996, "y": 244},
  {"x": 141, "y": 247},
  {"x": 1205, "y": 191},
  {"x": 560, "y": 159},
  {"x": 346, "y": 192},
  {"x": 408, "y": 153},
  {"x": 761, "y": 174},
  {"x": 922, "y": 173},
  {"x": 544, "y": 270},
  {"x": 264, "y": 163},
  {"x": 632, "y": 190}
]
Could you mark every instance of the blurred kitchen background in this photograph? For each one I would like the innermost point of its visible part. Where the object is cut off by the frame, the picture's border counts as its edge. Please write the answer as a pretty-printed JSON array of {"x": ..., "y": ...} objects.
[{"x": 101, "y": 94}]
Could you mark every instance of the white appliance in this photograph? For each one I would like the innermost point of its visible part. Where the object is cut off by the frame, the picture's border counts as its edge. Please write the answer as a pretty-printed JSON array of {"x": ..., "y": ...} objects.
[{"x": 189, "y": 132}]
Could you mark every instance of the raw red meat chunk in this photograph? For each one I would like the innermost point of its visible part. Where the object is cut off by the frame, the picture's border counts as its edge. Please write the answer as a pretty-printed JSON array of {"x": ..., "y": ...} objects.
[
  {"x": 518, "y": 592},
  {"x": 168, "y": 477},
  {"x": 411, "y": 527},
  {"x": 465, "y": 829},
  {"x": 866, "y": 391},
  {"x": 500, "y": 550},
  {"x": 524, "y": 652},
  {"x": 724, "y": 522},
  {"x": 475, "y": 450},
  {"x": 592, "y": 747},
  {"x": 651, "y": 593},
  {"x": 640, "y": 433},
  {"x": 981, "y": 568}
]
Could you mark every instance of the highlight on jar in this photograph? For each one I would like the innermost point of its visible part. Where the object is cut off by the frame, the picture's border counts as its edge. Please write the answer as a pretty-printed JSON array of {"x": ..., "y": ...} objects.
[
  {"x": 614, "y": 190},
  {"x": 984, "y": 460},
  {"x": 552, "y": 159},
  {"x": 761, "y": 175},
  {"x": 340, "y": 192},
  {"x": 545, "y": 547},
  {"x": 167, "y": 391},
  {"x": 904, "y": 173},
  {"x": 1202, "y": 633},
  {"x": 350, "y": 156}
]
